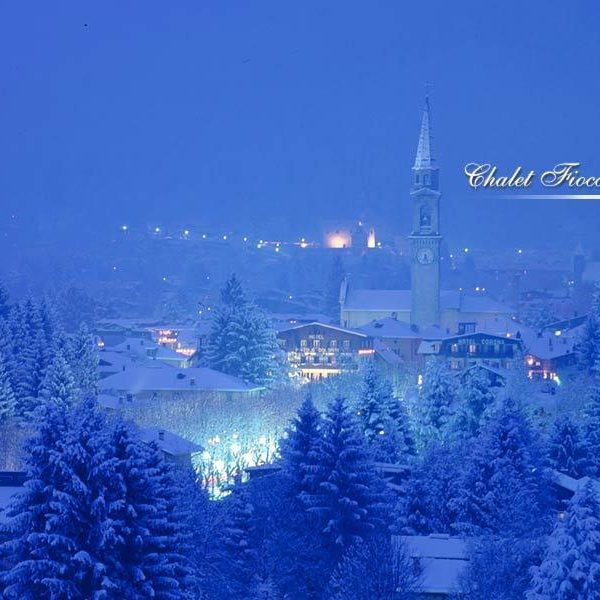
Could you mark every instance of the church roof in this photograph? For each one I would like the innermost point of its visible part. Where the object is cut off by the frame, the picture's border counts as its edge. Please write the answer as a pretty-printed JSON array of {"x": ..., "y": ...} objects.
[
  {"x": 394, "y": 300},
  {"x": 424, "y": 159}
]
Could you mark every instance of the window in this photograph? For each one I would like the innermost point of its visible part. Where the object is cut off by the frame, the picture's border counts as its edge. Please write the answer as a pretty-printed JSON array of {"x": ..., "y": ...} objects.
[
  {"x": 473, "y": 348},
  {"x": 303, "y": 344},
  {"x": 316, "y": 343},
  {"x": 466, "y": 328},
  {"x": 346, "y": 344},
  {"x": 333, "y": 344},
  {"x": 454, "y": 348}
]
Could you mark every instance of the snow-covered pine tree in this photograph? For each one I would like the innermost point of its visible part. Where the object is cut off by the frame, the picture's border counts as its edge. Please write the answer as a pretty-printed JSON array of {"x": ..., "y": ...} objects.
[
  {"x": 435, "y": 401},
  {"x": 589, "y": 344},
  {"x": 426, "y": 507},
  {"x": 474, "y": 397},
  {"x": 143, "y": 551},
  {"x": 502, "y": 488},
  {"x": 371, "y": 410},
  {"x": 237, "y": 539},
  {"x": 59, "y": 385},
  {"x": 299, "y": 450},
  {"x": 8, "y": 401},
  {"x": 378, "y": 568},
  {"x": 591, "y": 423},
  {"x": 241, "y": 341},
  {"x": 83, "y": 359},
  {"x": 568, "y": 451},
  {"x": 41, "y": 543},
  {"x": 32, "y": 368},
  {"x": 383, "y": 419},
  {"x": 350, "y": 497},
  {"x": 570, "y": 569},
  {"x": 4, "y": 301}
]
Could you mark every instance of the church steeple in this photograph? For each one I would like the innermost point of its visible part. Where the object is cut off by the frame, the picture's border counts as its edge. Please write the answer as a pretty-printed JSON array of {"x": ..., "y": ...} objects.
[
  {"x": 425, "y": 171},
  {"x": 423, "y": 159},
  {"x": 425, "y": 236}
]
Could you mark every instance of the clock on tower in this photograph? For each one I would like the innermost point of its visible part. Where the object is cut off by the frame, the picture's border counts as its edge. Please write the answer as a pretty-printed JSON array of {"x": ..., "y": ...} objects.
[{"x": 425, "y": 237}]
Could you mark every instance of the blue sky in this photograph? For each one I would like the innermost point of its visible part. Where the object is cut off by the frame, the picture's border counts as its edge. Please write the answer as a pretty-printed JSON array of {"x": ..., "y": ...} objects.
[{"x": 306, "y": 111}]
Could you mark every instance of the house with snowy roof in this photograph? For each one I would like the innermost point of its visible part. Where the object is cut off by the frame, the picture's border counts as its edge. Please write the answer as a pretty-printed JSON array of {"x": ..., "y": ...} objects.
[
  {"x": 441, "y": 559},
  {"x": 173, "y": 447},
  {"x": 158, "y": 382},
  {"x": 424, "y": 305}
]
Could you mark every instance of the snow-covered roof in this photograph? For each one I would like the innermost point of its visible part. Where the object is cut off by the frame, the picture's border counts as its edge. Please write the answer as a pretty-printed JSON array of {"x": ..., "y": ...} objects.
[
  {"x": 574, "y": 485},
  {"x": 384, "y": 353},
  {"x": 158, "y": 377},
  {"x": 400, "y": 301},
  {"x": 546, "y": 345},
  {"x": 442, "y": 559},
  {"x": 169, "y": 442},
  {"x": 290, "y": 327},
  {"x": 390, "y": 328},
  {"x": 483, "y": 304}
]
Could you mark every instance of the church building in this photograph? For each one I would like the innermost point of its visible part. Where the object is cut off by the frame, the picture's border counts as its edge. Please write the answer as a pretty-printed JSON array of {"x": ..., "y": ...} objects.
[{"x": 424, "y": 305}]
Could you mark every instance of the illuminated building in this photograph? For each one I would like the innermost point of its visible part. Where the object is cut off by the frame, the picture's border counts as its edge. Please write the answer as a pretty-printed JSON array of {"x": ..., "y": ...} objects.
[
  {"x": 316, "y": 350},
  {"x": 338, "y": 239}
]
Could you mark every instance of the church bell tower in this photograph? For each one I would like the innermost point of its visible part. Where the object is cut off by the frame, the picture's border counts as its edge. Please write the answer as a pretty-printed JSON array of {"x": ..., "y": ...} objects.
[{"x": 425, "y": 238}]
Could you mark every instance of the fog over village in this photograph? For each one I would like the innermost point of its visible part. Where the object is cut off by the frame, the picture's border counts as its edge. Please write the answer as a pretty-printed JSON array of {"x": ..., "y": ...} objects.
[{"x": 289, "y": 309}]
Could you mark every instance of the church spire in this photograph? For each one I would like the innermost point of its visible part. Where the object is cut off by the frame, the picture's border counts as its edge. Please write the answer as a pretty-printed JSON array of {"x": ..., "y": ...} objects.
[{"x": 423, "y": 159}]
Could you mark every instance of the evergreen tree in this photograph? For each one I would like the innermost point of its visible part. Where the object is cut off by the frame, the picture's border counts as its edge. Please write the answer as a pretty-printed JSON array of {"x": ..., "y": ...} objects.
[
  {"x": 7, "y": 396},
  {"x": 474, "y": 398},
  {"x": 434, "y": 409},
  {"x": 299, "y": 450},
  {"x": 568, "y": 451},
  {"x": 570, "y": 569},
  {"x": 241, "y": 341},
  {"x": 144, "y": 552},
  {"x": 426, "y": 505},
  {"x": 41, "y": 543},
  {"x": 589, "y": 345},
  {"x": 383, "y": 419},
  {"x": 240, "y": 553},
  {"x": 378, "y": 568},
  {"x": 502, "y": 488},
  {"x": 591, "y": 426},
  {"x": 83, "y": 358},
  {"x": 350, "y": 497},
  {"x": 58, "y": 385},
  {"x": 4, "y": 301}
]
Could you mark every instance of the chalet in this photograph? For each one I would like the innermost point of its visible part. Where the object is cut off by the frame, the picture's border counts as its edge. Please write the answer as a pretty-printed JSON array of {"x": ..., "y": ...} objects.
[
  {"x": 548, "y": 353},
  {"x": 442, "y": 561},
  {"x": 317, "y": 350},
  {"x": 463, "y": 351}
]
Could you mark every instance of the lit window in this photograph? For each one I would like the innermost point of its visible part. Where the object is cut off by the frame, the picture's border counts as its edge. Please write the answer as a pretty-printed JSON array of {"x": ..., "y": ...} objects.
[
  {"x": 346, "y": 344},
  {"x": 303, "y": 344},
  {"x": 316, "y": 343}
]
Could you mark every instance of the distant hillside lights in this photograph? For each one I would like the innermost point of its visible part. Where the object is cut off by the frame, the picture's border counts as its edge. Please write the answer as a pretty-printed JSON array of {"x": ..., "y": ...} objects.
[{"x": 344, "y": 238}]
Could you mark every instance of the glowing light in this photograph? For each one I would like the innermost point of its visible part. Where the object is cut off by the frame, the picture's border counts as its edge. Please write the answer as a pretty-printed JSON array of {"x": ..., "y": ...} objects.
[
  {"x": 558, "y": 332},
  {"x": 203, "y": 236},
  {"x": 371, "y": 239},
  {"x": 124, "y": 228},
  {"x": 245, "y": 239},
  {"x": 520, "y": 251},
  {"x": 225, "y": 237},
  {"x": 466, "y": 250},
  {"x": 157, "y": 230},
  {"x": 277, "y": 249},
  {"x": 186, "y": 232},
  {"x": 366, "y": 351},
  {"x": 419, "y": 379}
]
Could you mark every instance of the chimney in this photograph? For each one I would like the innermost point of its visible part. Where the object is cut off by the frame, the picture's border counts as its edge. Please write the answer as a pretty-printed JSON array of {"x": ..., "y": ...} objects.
[{"x": 161, "y": 435}]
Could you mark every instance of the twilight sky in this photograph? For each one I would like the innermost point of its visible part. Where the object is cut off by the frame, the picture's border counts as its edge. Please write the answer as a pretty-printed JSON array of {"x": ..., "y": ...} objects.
[{"x": 224, "y": 111}]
